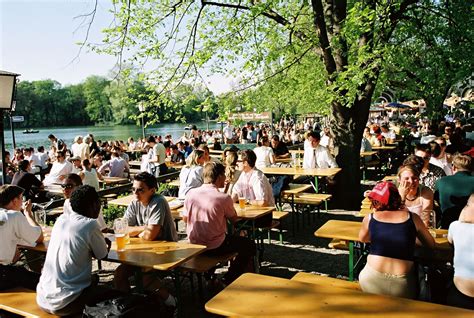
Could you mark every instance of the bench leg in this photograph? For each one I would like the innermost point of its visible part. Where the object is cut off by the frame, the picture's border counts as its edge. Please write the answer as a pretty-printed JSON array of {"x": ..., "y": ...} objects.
[
  {"x": 351, "y": 261},
  {"x": 200, "y": 289}
]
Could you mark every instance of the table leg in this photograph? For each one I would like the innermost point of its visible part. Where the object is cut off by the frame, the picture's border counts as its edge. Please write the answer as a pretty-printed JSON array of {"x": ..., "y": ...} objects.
[
  {"x": 316, "y": 184},
  {"x": 351, "y": 261},
  {"x": 139, "y": 280},
  {"x": 177, "y": 287}
]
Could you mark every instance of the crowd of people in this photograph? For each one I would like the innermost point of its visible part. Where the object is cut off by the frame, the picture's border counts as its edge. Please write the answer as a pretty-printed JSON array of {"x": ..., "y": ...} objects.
[{"x": 434, "y": 188}]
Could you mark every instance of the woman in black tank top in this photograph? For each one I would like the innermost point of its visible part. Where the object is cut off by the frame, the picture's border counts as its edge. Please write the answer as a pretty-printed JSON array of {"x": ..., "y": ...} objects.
[{"x": 392, "y": 232}]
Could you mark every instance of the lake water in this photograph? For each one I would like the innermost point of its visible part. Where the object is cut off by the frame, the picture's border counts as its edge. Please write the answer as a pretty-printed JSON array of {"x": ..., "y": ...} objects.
[{"x": 116, "y": 132}]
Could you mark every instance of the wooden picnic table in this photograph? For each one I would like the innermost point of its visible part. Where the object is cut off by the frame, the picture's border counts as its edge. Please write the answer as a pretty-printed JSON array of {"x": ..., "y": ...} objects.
[
  {"x": 253, "y": 295},
  {"x": 315, "y": 172},
  {"x": 297, "y": 151},
  {"x": 135, "y": 163},
  {"x": 114, "y": 180},
  {"x": 390, "y": 178},
  {"x": 367, "y": 153},
  {"x": 159, "y": 255},
  {"x": 384, "y": 147},
  {"x": 349, "y": 231}
]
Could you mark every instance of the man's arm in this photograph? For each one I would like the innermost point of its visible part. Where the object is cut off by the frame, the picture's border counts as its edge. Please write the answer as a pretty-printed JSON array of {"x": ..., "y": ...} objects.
[{"x": 31, "y": 220}]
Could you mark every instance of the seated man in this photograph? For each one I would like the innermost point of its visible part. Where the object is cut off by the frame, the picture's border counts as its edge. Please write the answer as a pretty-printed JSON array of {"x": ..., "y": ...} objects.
[
  {"x": 279, "y": 148},
  {"x": 61, "y": 167},
  {"x": 117, "y": 166},
  {"x": 149, "y": 217},
  {"x": 452, "y": 192},
  {"x": 26, "y": 180},
  {"x": 71, "y": 183},
  {"x": 16, "y": 228},
  {"x": 177, "y": 157},
  {"x": 66, "y": 284},
  {"x": 252, "y": 184},
  {"x": 315, "y": 155},
  {"x": 207, "y": 210}
]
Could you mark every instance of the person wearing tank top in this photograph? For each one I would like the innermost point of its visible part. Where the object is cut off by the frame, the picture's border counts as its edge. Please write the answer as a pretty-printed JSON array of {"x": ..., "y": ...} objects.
[
  {"x": 89, "y": 175},
  {"x": 392, "y": 232},
  {"x": 461, "y": 234},
  {"x": 417, "y": 198}
]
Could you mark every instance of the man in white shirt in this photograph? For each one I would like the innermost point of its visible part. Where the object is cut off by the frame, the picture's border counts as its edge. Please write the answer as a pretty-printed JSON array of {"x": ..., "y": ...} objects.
[
  {"x": 228, "y": 133},
  {"x": 66, "y": 284},
  {"x": 61, "y": 167},
  {"x": 315, "y": 155},
  {"x": 157, "y": 156},
  {"x": 16, "y": 228},
  {"x": 34, "y": 160},
  {"x": 252, "y": 184}
]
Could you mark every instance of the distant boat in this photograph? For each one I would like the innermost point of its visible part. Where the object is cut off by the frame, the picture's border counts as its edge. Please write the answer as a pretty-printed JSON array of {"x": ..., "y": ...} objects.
[
  {"x": 30, "y": 131},
  {"x": 190, "y": 127}
]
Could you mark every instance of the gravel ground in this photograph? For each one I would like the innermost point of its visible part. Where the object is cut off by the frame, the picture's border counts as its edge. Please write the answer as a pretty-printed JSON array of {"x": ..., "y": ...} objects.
[{"x": 302, "y": 252}]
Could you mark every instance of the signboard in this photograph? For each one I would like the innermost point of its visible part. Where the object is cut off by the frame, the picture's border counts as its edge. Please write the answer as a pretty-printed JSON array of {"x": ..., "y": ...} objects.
[
  {"x": 18, "y": 119},
  {"x": 251, "y": 116}
]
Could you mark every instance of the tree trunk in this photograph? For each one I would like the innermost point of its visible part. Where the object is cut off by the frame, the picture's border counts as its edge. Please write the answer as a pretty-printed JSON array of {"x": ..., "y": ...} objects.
[{"x": 348, "y": 122}]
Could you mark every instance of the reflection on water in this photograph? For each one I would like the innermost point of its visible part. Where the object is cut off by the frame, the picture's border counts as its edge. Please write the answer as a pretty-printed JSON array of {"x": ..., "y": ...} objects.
[{"x": 116, "y": 132}]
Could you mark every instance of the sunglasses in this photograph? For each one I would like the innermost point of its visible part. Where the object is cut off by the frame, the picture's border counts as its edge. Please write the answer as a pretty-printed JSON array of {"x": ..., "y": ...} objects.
[
  {"x": 138, "y": 190},
  {"x": 67, "y": 186}
]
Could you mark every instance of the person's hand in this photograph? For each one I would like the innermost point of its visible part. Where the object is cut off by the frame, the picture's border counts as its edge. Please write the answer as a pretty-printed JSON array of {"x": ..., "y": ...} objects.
[
  {"x": 108, "y": 242},
  {"x": 404, "y": 187},
  {"x": 62, "y": 177},
  {"x": 27, "y": 207}
]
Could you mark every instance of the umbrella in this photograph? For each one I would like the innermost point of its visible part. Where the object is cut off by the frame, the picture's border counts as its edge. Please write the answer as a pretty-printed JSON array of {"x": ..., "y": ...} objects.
[{"x": 397, "y": 105}]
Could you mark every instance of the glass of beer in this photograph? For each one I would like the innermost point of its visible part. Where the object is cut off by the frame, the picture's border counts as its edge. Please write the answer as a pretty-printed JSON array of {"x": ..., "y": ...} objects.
[
  {"x": 242, "y": 202},
  {"x": 121, "y": 233}
]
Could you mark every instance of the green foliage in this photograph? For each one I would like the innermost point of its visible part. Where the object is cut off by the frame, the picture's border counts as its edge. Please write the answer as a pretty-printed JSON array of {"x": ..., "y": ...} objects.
[
  {"x": 431, "y": 51},
  {"x": 99, "y": 100},
  {"x": 112, "y": 212}
]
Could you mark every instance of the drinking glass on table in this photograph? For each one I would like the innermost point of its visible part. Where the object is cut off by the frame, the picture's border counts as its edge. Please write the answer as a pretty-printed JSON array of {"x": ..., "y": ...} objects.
[
  {"x": 121, "y": 234},
  {"x": 242, "y": 202}
]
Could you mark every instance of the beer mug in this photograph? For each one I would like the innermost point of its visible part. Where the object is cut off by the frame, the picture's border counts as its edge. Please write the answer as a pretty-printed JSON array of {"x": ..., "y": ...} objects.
[{"x": 121, "y": 234}]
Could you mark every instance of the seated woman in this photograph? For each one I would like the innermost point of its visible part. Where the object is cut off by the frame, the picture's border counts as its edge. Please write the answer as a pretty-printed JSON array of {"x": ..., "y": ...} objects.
[
  {"x": 392, "y": 233},
  {"x": 191, "y": 175},
  {"x": 416, "y": 197},
  {"x": 232, "y": 173},
  {"x": 461, "y": 234},
  {"x": 265, "y": 155}
]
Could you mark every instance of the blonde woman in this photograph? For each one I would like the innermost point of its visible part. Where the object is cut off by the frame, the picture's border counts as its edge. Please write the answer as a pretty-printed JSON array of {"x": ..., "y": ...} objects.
[
  {"x": 416, "y": 197},
  {"x": 191, "y": 174},
  {"x": 232, "y": 174}
]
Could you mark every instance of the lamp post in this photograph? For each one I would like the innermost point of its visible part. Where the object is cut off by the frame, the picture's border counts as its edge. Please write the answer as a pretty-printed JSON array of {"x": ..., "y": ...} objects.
[
  {"x": 7, "y": 94},
  {"x": 141, "y": 108}
]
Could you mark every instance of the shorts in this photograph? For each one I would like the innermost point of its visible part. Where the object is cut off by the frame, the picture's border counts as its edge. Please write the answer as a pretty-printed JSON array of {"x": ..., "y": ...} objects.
[{"x": 374, "y": 282}]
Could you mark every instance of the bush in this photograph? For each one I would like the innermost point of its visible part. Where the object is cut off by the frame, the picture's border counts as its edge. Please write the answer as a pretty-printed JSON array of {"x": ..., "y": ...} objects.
[{"x": 112, "y": 212}]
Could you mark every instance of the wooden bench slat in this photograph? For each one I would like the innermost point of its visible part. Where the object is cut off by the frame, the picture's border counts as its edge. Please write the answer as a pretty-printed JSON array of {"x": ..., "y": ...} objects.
[
  {"x": 22, "y": 302},
  {"x": 279, "y": 215},
  {"x": 204, "y": 263}
]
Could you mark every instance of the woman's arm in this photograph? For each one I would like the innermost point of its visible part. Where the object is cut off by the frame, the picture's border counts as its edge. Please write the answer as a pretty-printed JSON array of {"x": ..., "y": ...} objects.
[
  {"x": 364, "y": 234},
  {"x": 422, "y": 232}
]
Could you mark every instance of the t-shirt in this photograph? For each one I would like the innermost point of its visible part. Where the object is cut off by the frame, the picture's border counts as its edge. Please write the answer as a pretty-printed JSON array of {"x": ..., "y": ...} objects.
[
  {"x": 263, "y": 154},
  {"x": 159, "y": 150},
  {"x": 189, "y": 178},
  {"x": 207, "y": 210},
  {"x": 462, "y": 236},
  {"x": 281, "y": 149},
  {"x": 157, "y": 212},
  {"x": 14, "y": 230},
  {"x": 26, "y": 180},
  {"x": 58, "y": 169},
  {"x": 75, "y": 239},
  {"x": 228, "y": 132}
]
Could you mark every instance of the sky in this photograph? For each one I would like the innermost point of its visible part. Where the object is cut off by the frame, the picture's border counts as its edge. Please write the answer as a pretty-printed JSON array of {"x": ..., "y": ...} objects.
[{"x": 38, "y": 39}]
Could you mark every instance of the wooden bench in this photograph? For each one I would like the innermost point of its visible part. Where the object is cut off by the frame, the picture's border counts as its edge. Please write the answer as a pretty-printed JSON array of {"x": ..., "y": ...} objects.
[
  {"x": 21, "y": 302},
  {"x": 325, "y": 281},
  {"x": 337, "y": 244},
  {"x": 278, "y": 216},
  {"x": 202, "y": 264},
  {"x": 313, "y": 199}
]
